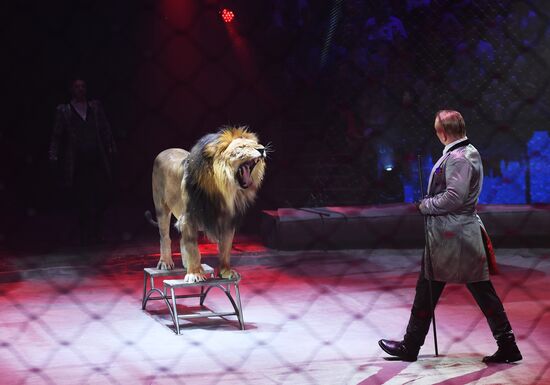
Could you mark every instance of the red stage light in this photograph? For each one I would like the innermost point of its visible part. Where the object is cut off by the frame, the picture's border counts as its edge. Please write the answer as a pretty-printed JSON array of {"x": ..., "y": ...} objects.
[{"x": 227, "y": 15}]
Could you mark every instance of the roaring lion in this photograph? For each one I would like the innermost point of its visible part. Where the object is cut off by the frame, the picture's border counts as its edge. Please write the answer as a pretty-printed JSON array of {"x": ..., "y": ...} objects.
[{"x": 206, "y": 189}]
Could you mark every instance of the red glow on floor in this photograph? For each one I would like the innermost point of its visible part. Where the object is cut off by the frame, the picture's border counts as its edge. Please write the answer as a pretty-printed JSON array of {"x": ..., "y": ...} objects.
[{"x": 212, "y": 249}]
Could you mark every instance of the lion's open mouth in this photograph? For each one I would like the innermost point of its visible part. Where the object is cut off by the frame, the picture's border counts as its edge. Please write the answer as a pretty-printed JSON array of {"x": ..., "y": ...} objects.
[{"x": 244, "y": 173}]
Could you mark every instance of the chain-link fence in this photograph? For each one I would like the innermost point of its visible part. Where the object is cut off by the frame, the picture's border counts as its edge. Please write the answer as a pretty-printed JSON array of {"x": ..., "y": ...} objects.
[{"x": 346, "y": 92}]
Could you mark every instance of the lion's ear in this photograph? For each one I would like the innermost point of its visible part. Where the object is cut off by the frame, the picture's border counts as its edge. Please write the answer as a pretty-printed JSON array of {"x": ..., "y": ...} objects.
[
  {"x": 210, "y": 149},
  {"x": 216, "y": 147}
]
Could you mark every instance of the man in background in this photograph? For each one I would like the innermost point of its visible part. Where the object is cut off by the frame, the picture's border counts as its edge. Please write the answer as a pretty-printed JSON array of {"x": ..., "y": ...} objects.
[{"x": 82, "y": 141}]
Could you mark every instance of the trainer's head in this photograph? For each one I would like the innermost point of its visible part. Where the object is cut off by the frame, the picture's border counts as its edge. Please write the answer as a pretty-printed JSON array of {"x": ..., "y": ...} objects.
[{"x": 449, "y": 126}]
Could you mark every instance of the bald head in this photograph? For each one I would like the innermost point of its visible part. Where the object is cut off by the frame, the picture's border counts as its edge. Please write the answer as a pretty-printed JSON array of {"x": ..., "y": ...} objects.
[{"x": 449, "y": 126}]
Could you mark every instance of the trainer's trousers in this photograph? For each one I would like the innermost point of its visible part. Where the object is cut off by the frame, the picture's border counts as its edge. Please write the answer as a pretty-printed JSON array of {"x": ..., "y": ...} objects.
[{"x": 484, "y": 294}]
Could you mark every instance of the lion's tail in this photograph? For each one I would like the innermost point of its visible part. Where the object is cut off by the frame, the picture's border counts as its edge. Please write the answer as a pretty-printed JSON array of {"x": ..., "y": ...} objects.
[{"x": 150, "y": 219}]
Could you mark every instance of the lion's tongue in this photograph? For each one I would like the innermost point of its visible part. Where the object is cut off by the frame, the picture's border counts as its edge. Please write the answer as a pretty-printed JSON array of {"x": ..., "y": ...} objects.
[{"x": 246, "y": 175}]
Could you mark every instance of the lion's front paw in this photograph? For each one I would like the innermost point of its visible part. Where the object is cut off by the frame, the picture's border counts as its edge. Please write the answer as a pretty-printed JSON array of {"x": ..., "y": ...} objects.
[
  {"x": 228, "y": 274},
  {"x": 163, "y": 265},
  {"x": 193, "y": 278}
]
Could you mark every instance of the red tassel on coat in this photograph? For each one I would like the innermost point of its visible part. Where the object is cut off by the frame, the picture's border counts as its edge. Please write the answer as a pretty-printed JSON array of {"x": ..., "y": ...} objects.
[{"x": 490, "y": 252}]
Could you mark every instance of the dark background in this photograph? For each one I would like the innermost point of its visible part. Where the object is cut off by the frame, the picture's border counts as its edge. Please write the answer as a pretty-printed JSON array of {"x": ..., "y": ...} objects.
[{"x": 342, "y": 90}]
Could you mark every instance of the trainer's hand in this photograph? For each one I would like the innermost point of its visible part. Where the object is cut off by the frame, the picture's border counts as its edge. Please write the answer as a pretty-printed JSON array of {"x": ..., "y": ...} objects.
[{"x": 417, "y": 205}]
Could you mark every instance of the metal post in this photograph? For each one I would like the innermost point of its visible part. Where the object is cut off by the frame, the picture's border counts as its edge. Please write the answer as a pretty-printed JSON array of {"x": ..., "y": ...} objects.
[{"x": 427, "y": 254}]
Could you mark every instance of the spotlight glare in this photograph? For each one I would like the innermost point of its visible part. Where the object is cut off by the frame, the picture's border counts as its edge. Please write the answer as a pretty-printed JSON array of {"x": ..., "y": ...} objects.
[{"x": 227, "y": 15}]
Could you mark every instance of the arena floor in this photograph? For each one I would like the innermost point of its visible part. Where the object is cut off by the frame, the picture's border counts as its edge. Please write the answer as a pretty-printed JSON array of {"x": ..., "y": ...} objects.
[{"x": 74, "y": 317}]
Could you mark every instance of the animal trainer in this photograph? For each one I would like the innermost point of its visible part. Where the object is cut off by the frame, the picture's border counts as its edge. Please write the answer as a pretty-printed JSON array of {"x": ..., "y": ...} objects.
[{"x": 459, "y": 249}]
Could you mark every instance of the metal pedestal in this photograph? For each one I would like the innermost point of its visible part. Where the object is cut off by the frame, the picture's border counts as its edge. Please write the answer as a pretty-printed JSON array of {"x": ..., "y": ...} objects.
[{"x": 169, "y": 296}]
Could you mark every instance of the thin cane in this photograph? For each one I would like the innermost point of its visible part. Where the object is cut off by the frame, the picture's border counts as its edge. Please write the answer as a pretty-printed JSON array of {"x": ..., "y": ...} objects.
[{"x": 428, "y": 256}]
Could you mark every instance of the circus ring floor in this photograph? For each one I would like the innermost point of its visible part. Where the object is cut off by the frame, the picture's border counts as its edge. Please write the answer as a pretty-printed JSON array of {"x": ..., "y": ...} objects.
[{"x": 73, "y": 316}]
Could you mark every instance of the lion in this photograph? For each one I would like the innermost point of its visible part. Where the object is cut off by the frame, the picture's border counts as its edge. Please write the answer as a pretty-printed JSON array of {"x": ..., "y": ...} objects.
[{"x": 207, "y": 189}]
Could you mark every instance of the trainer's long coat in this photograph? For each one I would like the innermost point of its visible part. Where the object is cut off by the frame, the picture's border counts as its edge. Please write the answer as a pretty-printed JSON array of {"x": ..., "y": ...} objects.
[{"x": 456, "y": 246}]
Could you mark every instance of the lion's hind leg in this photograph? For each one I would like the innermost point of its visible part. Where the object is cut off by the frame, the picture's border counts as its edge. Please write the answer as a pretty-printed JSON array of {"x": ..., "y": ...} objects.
[
  {"x": 163, "y": 218},
  {"x": 189, "y": 247}
]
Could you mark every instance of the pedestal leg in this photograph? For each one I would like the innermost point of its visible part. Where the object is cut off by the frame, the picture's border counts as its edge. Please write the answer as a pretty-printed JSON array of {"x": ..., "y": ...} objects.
[
  {"x": 239, "y": 306},
  {"x": 175, "y": 309},
  {"x": 144, "y": 290}
]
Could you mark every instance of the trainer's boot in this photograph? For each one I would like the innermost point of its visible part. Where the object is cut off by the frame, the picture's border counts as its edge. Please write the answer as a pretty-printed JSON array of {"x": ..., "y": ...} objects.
[
  {"x": 508, "y": 350},
  {"x": 407, "y": 350}
]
